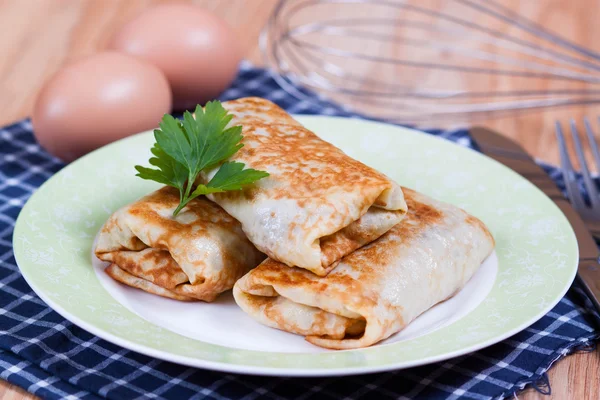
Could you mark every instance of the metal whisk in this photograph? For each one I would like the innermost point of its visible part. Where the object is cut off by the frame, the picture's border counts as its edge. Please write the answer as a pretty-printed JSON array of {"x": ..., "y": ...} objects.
[{"x": 419, "y": 61}]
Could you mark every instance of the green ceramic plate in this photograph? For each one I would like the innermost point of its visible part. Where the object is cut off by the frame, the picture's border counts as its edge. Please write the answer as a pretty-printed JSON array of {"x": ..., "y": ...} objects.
[{"x": 533, "y": 266}]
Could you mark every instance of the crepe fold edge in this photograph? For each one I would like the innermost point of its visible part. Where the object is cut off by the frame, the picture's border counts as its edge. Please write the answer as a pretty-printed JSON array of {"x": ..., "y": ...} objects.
[
  {"x": 320, "y": 317},
  {"x": 124, "y": 277},
  {"x": 368, "y": 228}
]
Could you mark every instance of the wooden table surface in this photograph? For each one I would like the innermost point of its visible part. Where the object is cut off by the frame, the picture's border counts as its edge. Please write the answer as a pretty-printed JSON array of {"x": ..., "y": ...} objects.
[{"x": 39, "y": 36}]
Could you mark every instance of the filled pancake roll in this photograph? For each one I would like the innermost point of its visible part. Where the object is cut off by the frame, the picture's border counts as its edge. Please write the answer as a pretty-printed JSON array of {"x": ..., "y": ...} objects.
[
  {"x": 318, "y": 204},
  {"x": 377, "y": 290},
  {"x": 194, "y": 256}
]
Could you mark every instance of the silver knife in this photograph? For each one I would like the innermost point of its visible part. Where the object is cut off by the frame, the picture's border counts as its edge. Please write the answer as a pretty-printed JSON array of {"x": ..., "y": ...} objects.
[{"x": 511, "y": 154}]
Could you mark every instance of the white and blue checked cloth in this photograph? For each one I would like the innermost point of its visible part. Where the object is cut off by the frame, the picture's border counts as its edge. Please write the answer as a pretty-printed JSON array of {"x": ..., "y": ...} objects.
[{"x": 52, "y": 358}]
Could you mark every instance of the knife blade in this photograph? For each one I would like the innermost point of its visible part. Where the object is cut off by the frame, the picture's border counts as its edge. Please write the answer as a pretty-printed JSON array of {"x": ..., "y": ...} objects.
[{"x": 511, "y": 154}]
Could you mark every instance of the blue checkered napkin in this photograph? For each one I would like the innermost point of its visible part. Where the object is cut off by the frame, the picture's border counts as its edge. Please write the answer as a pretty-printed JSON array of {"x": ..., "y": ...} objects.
[{"x": 47, "y": 355}]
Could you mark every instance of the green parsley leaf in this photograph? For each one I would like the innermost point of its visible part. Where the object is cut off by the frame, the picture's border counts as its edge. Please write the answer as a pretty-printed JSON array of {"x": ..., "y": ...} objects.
[
  {"x": 185, "y": 148},
  {"x": 169, "y": 172},
  {"x": 231, "y": 176}
]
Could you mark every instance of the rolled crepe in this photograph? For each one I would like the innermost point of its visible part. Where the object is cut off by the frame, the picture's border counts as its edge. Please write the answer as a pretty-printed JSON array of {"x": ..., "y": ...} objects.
[
  {"x": 194, "y": 256},
  {"x": 377, "y": 290},
  {"x": 318, "y": 204}
]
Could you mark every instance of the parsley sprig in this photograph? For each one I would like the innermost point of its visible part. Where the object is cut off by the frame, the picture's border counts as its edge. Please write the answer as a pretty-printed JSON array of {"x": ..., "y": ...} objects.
[{"x": 185, "y": 148}]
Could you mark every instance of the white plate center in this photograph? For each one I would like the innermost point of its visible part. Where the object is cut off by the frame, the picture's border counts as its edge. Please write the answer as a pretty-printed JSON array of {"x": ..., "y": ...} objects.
[{"x": 224, "y": 323}]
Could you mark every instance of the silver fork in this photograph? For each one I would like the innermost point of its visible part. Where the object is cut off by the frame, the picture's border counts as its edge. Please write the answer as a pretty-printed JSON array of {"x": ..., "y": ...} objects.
[{"x": 590, "y": 214}]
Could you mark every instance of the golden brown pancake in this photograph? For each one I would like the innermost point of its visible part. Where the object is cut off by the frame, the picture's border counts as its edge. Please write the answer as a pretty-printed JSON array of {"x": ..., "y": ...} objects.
[
  {"x": 194, "y": 256},
  {"x": 318, "y": 204},
  {"x": 378, "y": 289}
]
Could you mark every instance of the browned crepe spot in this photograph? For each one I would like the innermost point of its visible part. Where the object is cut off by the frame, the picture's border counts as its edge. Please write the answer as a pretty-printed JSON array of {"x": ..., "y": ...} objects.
[
  {"x": 471, "y": 220},
  {"x": 296, "y": 148},
  {"x": 258, "y": 110}
]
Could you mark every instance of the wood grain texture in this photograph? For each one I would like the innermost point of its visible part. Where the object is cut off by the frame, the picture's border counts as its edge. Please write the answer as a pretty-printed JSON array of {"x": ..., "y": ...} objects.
[
  {"x": 12, "y": 392},
  {"x": 45, "y": 34}
]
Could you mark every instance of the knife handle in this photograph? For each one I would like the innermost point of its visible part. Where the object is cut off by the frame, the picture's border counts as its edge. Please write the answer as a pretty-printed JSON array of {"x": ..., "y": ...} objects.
[{"x": 589, "y": 275}]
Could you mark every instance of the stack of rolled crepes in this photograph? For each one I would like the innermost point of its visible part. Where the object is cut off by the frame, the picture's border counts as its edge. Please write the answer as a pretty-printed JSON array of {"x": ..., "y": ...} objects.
[{"x": 346, "y": 265}]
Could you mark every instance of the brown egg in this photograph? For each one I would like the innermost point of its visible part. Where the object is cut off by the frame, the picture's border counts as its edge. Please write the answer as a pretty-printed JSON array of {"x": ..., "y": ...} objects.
[
  {"x": 198, "y": 52},
  {"x": 98, "y": 100}
]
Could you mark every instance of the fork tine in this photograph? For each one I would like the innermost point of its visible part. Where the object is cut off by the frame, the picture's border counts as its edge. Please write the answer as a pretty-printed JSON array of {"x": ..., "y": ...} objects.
[
  {"x": 593, "y": 143},
  {"x": 568, "y": 173},
  {"x": 590, "y": 185}
]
